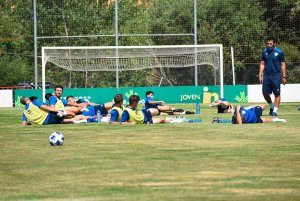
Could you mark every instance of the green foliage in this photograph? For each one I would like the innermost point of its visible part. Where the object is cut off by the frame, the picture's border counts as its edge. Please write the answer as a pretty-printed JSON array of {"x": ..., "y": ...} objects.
[
  {"x": 242, "y": 24},
  {"x": 14, "y": 70}
]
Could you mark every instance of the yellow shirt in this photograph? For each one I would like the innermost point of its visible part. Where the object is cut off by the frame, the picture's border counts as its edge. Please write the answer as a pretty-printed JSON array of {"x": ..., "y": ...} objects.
[
  {"x": 35, "y": 115},
  {"x": 59, "y": 105},
  {"x": 135, "y": 115},
  {"x": 120, "y": 111}
]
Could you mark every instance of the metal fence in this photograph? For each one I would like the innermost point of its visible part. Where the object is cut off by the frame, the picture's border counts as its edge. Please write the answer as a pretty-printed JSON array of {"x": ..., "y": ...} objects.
[{"x": 240, "y": 24}]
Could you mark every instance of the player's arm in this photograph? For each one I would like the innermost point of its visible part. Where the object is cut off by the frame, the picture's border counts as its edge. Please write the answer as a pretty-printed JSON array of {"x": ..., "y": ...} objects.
[
  {"x": 52, "y": 101},
  {"x": 261, "y": 70},
  {"x": 24, "y": 120},
  {"x": 238, "y": 115},
  {"x": 92, "y": 104},
  {"x": 283, "y": 70},
  {"x": 152, "y": 102},
  {"x": 113, "y": 117}
]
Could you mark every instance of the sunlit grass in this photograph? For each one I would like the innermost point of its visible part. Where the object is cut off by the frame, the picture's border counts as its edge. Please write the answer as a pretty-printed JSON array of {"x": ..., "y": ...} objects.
[{"x": 200, "y": 161}]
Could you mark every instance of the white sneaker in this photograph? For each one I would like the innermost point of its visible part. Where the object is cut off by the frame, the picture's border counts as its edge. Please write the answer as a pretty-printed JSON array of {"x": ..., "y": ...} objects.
[
  {"x": 278, "y": 120},
  {"x": 81, "y": 121},
  {"x": 60, "y": 114},
  {"x": 169, "y": 118},
  {"x": 176, "y": 121}
]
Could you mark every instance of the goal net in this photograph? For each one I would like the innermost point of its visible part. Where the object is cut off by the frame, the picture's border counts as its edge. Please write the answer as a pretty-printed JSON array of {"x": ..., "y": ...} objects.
[{"x": 124, "y": 58}]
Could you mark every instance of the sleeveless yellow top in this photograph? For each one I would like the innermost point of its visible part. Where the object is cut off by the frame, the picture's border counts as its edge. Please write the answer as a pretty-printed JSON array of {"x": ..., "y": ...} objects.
[
  {"x": 135, "y": 115},
  {"x": 59, "y": 104},
  {"x": 35, "y": 115},
  {"x": 120, "y": 111}
]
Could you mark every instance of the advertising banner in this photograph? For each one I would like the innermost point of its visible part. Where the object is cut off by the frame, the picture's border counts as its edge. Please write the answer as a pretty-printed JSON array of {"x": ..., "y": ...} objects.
[{"x": 182, "y": 94}]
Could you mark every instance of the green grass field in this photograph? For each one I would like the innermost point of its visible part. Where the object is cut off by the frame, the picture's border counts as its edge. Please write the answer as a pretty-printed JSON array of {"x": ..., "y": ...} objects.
[{"x": 200, "y": 161}]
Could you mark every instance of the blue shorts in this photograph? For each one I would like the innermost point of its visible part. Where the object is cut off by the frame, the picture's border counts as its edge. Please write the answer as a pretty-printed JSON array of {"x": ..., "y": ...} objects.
[
  {"x": 147, "y": 117},
  {"x": 258, "y": 113},
  {"x": 271, "y": 85}
]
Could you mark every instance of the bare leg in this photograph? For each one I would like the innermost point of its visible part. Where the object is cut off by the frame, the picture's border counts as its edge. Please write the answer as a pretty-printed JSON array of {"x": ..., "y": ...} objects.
[
  {"x": 75, "y": 119},
  {"x": 277, "y": 101},
  {"x": 160, "y": 120},
  {"x": 266, "y": 120},
  {"x": 263, "y": 106},
  {"x": 154, "y": 111},
  {"x": 164, "y": 108}
]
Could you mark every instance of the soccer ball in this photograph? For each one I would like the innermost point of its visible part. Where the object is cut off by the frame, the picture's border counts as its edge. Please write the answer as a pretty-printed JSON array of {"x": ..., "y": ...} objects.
[{"x": 56, "y": 139}]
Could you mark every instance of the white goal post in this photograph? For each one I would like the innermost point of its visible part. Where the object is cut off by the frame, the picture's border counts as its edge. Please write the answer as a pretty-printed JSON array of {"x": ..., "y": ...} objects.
[{"x": 123, "y": 58}]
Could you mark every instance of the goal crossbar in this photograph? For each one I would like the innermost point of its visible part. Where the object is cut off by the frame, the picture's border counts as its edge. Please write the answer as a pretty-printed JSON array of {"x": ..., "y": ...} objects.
[{"x": 123, "y": 58}]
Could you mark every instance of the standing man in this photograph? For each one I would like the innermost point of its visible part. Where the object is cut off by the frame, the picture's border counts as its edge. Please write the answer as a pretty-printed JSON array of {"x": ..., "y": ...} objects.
[{"x": 272, "y": 72}]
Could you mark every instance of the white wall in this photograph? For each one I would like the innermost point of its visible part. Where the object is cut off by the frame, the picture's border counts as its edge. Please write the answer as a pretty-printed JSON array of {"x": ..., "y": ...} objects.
[
  {"x": 289, "y": 93},
  {"x": 6, "y": 98}
]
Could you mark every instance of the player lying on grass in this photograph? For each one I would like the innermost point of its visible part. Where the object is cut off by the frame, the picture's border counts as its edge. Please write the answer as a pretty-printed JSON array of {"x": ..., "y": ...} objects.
[
  {"x": 132, "y": 115},
  {"x": 252, "y": 114},
  {"x": 157, "y": 107},
  {"x": 59, "y": 103},
  {"x": 223, "y": 106},
  {"x": 90, "y": 107},
  {"x": 36, "y": 112}
]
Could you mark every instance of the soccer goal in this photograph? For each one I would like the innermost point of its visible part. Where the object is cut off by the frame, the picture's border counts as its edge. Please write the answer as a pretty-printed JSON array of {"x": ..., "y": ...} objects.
[{"x": 124, "y": 58}]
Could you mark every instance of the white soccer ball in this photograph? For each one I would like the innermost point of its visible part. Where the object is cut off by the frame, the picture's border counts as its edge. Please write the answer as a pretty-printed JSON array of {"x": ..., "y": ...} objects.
[{"x": 56, "y": 139}]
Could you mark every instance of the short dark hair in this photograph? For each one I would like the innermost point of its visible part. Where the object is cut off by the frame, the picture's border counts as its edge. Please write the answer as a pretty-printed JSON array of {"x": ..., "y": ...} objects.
[
  {"x": 69, "y": 97},
  {"x": 32, "y": 98},
  {"x": 149, "y": 92},
  {"x": 271, "y": 38},
  {"x": 133, "y": 98},
  {"x": 58, "y": 86},
  {"x": 48, "y": 95},
  {"x": 23, "y": 100},
  {"x": 118, "y": 98}
]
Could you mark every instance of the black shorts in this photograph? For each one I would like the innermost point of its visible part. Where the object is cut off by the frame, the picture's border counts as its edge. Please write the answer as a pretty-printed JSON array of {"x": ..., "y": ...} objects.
[
  {"x": 101, "y": 108},
  {"x": 54, "y": 119}
]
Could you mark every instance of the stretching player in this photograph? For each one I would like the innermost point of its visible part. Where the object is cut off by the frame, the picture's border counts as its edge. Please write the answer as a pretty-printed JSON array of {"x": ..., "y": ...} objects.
[
  {"x": 36, "y": 112},
  {"x": 132, "y": 115},
  {"x": 89, "y": 108},
  {"x": 223, "y": 106},
  {"x": 252, "y": 114},
  {"x": 157, "y": 107}
]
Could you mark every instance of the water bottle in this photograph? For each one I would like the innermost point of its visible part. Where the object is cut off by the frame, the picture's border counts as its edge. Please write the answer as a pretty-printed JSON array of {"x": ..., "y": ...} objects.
[
  {"x": 195, "y": 120},
  {"x": 98, "y": 116},
  {"x": 224, "y": 121},
  {"x": 198, "y": 108}
]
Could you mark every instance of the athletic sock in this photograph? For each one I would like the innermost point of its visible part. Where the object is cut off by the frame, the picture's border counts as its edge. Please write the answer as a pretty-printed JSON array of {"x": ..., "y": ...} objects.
[
  {"x": 271, "y": 105},
  {"x": 275, "y": 109},
  {"x": 278, "y": 120}
]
